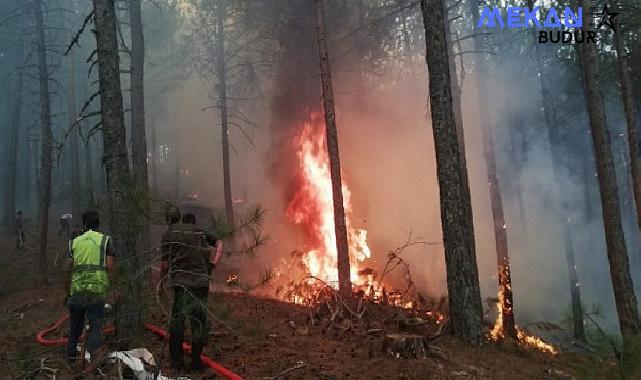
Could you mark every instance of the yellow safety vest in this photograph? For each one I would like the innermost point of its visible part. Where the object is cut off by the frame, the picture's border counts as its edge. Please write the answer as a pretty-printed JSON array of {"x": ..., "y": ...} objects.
[{"x": 89, "y": 274}]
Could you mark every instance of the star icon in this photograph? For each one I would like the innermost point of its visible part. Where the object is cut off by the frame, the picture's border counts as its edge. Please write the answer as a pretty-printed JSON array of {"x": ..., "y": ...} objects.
[{"x": 606, "y": 17}]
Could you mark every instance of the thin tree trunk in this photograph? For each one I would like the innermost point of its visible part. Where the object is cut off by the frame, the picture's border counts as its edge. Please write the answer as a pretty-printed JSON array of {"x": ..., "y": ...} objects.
[
  {"x": 89, "y": 183},
  {"x": 456, "y": 206},
  {"x": 75, "y": 155},
  {"x": 12, "y": 159},
  {"x": 44, "y": 184},
  {"x": 587, "y": 194},
  {"x": 26, "y": 179},
  {"x": 122, "y": 216},
  {"x": 177, "y": 179},
  {"x": 626, "y": 302},
  {"x": 344, "y": 280},
  {"x": 554, "y": 137},
  {"x": 154, "y": 158},
  {"x": 496, "y": 201},
  {"x": 623, "y": 70},
  {"x": 224, "y": 118}
]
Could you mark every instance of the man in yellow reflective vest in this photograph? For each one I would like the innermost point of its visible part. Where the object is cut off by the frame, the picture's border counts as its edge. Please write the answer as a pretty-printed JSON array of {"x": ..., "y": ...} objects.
[{"x": 92, "y": 265}]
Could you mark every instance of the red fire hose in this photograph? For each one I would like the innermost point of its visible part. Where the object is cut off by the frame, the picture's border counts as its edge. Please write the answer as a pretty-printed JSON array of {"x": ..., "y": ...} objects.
[{"x": 41, "y": 339}]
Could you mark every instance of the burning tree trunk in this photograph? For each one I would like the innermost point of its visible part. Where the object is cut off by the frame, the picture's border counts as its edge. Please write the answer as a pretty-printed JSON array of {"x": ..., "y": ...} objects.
[
  {"x": 626, "y": 302},
  {"x": 623, "y": 70},
  {"x": 456, "y": 208},
  {"x": 129, "y": 318},
  {"x": 496, "y": 202},
  {"x": 224, "y": 117},
  {"x": 344, "y": 280},
  {"x": 73, "y": 141},
  {"x": 554, "y": 137},
  {"x": 16, "y": 110},
  {"x": 44, "y": 183}
]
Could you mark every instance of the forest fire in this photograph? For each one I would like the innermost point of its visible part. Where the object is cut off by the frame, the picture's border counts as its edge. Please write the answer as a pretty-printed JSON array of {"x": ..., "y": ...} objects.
[
  {"x": 312, "y": 208},
  {"x": 497, "y": 333}
]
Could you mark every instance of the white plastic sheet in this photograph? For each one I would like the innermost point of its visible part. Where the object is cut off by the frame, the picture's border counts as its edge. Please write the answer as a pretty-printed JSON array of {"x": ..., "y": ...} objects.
[{"x": 135, "y": 359}]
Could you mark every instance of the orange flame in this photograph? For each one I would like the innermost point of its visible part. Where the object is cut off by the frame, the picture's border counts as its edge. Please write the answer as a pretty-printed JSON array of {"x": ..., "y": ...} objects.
[
  {"x": 497, "y": 333},
  {"x": 312, "y": 208}
]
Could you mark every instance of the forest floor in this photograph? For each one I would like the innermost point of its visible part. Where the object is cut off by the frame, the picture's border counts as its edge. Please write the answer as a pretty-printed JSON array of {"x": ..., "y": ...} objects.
[{"x": 258, "y": 340}]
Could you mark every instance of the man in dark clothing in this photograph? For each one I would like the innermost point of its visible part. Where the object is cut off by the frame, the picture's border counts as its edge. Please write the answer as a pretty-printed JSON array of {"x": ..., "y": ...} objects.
[
  {"x": 20, "y": 235},
  {"x": 186, "y": 257}
]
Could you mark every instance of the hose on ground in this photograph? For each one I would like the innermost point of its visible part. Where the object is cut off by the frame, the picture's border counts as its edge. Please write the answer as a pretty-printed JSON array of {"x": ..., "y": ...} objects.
[{"x": 41, "y": 338}]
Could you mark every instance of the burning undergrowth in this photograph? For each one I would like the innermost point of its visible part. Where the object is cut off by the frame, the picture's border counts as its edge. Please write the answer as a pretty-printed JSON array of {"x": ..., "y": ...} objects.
[{"x": 310, "y": 207}]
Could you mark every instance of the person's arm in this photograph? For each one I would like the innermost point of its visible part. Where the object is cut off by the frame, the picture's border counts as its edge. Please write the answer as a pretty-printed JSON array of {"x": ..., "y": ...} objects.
[{"x": 219, "y": 251}]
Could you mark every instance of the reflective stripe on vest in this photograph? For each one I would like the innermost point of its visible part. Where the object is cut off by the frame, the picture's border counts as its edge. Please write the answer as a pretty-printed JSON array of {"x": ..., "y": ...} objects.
[{"x": 89, "y": 254}]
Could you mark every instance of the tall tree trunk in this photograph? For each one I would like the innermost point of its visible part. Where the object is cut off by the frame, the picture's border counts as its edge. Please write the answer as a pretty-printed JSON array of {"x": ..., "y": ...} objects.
[
  {"x": 549, "y": 110},
  {"x": 154, "y": 158},
  {"x": 26, "y": 175},
  {"x": 342, "y": 249},
  {"x": 75, "y": 155},
  {"x": 456, "y": 206},
  {"x": 221, "y": 66},
  {"x": 626, "y": 302},
  {"x": 587, "y": 194},
  {"x": 44, "y": 184},
  {"x": 629, "y": 109},
  {"x": 122, "y": 215},
  {"x": 12, "y": 158},
  {"x": 89, "y": 183},
  {"x": 138, "y": 133},
  {"x": 496, "y": 201}
]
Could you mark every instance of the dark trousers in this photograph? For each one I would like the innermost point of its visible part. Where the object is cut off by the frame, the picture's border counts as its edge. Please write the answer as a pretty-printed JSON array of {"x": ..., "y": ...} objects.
[
  {"x": 94, "y": 314},
  {"x": 20, "y": 239},
  {"x": 188, "y": 303}
]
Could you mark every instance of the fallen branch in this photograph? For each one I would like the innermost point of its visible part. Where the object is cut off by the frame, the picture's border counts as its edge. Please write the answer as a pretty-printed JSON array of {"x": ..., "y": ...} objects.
[{"x": 285, "y": 372}]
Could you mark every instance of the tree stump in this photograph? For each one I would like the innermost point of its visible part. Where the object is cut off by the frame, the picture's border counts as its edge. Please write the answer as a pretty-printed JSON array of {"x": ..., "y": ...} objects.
[{"x": 405, "y": 346}]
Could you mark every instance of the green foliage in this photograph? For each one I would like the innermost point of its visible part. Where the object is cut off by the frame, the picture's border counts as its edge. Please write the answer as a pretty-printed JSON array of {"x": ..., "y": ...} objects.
[{"x": 247, "y": 236}]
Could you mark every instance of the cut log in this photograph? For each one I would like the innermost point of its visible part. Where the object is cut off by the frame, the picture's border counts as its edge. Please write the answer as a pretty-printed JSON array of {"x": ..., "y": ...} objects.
[{"x": 405, "y": 346}]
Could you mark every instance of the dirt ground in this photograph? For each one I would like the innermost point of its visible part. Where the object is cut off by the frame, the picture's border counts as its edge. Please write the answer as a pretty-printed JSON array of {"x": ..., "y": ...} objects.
[{"x": 260, "y": 338}]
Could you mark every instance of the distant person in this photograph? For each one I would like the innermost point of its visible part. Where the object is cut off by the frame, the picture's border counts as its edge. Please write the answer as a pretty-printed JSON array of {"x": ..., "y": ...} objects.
[
  {"x": 187, "y": 259},
  {"x": 20, "y": 235},
  {"x": 92, "y": 265},
  {"x": 65, "y": 225}
]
